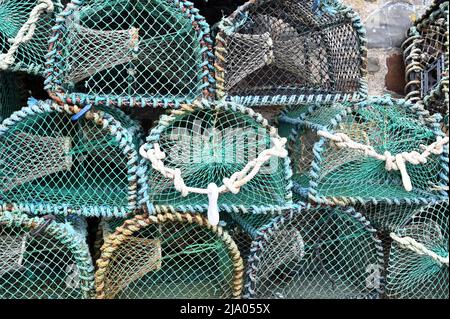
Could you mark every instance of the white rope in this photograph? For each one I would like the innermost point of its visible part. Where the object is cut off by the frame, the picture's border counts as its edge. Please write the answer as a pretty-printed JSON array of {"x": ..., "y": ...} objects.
[
  {"x": 413, "y": 245},
  {"x": 396, "y": 162},
  {"x": 25, "y": 33},
  {"x": 232, "y": 184}
]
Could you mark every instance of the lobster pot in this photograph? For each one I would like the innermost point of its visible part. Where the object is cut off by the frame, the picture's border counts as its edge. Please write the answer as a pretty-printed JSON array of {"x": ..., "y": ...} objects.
[
  {"x": 210, "y": 144},
  {"x": 130, "y": 53},
  {"x": 169, "y": 256},
  {"x": 44, "y": 259},
  {"x": 271, "y": 52},
  {"x": 380, "y": 154},
  {"x": 300, "y": 125},
  {"x": 427, "y": 61},
  {"x": 53, "y": 162},
  {"x": 24, "y": 30},
  {"x": 418, "y": 260},
  {"x": 315, "y": 252},
  {"x": 11, "y": 94}
]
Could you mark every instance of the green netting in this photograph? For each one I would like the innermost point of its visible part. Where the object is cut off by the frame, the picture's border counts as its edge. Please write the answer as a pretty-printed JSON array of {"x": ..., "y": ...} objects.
[
  {"x": 300, "y": 124},
  {"x": 53, "y": 163},
  {"x": 25, "y": 27},
  {"x": 315, "y": 252},
  {"x": 426, "y": 55},
  {"x": 42, "y": 260},
  {"x": 130, "y": 53},
  {"x": 11, "y": 94},
  {"x": 281, "y": 52},
  {"x": 375, "y": 154},
  {"x": 212, "y": 143},
  {"x": 418, "y": 260},
  {"x": 169, "y": 256}
]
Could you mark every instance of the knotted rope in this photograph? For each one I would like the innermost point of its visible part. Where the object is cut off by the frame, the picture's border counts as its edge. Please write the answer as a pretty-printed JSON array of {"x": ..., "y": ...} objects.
[
  {"x": 410, "y": 243},
  {"x": 231, "y": 184},
  {"x": 25, "y": 33},
  {"x": 397, "y": 162}
]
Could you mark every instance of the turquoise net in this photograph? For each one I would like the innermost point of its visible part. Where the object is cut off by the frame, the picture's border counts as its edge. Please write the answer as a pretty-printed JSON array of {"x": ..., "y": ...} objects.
[
  {"x": 315, "y": 252},
  {"x": 211, "y": 143},
  {"x": 130, "y": 53},
  {"x": 25, "y": 27},
  {"x": 44, "y": 260},
  {"x": 418, "y": 259},
  {"x": 168, "y": 256},
  {"x": 53, "y": 163}
]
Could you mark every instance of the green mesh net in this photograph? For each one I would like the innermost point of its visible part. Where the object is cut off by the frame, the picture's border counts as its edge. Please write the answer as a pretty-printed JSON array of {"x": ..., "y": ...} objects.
[
  {"x": 44, "y": 259},
  {"x": 169, "y": 256},
  {"x": 130, "y": 53},
  {"x": 219, "y": 150},
  {"x": 11, "y": 94},
  {"x": 53, "y": 163},
  {"x": 379, "y": 151},
  {"x": 25, "y": 27},
  {"x": 426, "y": 58},
  {"x": 315, "y": 252},
  {"x": 300, "y": 124},
  {"x": 282, "y": 52},
  {"x": 418, "y": 259}
]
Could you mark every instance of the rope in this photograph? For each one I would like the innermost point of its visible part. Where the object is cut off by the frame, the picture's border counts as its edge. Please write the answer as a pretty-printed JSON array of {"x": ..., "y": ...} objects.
[
  {"x": 125, "y": 233},
  {"x": 410, "y": 243},
  {"x": 231, "y": 184},
  {"x": 25, "y": 33},
  {"x": 396, "y": 162}
]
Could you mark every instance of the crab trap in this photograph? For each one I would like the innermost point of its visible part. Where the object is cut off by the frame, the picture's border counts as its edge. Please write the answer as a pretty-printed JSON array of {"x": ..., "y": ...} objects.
[
  {"x": 426, "y": 58},
  {"x": 41, "y": 258},
  {"x": 169, "y": 256},
  {"x": 418, "y": 258},
  {"x": 379, "y": 151},
  {"x": 216, "y": 157},
  {"x": 154, "y": 53},
  {"x": 25, "y": 27},
  {"x": 272, "y": 52},
  {"x": 54, "y": 160},
  {"x": 315, "y": 252}
]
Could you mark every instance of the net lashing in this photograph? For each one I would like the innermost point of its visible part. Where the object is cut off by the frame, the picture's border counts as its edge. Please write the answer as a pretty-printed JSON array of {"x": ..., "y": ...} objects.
[
  {"x": 129, "y": 53},
  {"x": 380, "y": 153},
  {"x": 169, "y": 256},
  {"x": 315, "y": 252},
  {"x": 25, "y": 27},
  {"x": 12, "y": 93},
  {"x": 426, "y": 55},
  {"x": 42, "y": 258},
  {"x": 418, "y": 259},
  {"x": 271, "y": 52},
  {"x": 300, "y": 124},
  {"x": 53, "y": 163},
  {"x": 216, "y": 157}
]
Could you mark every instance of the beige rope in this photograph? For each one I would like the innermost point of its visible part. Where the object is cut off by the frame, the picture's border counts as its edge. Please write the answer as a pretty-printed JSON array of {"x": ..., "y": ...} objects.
[
  {"x": 411, "y": 244},
  {"x": 138, "y": 222},
  {"x": 396, "y": 162},
  {"x": 231, "y": 184},
  {"x": 25, "y": 33}
]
